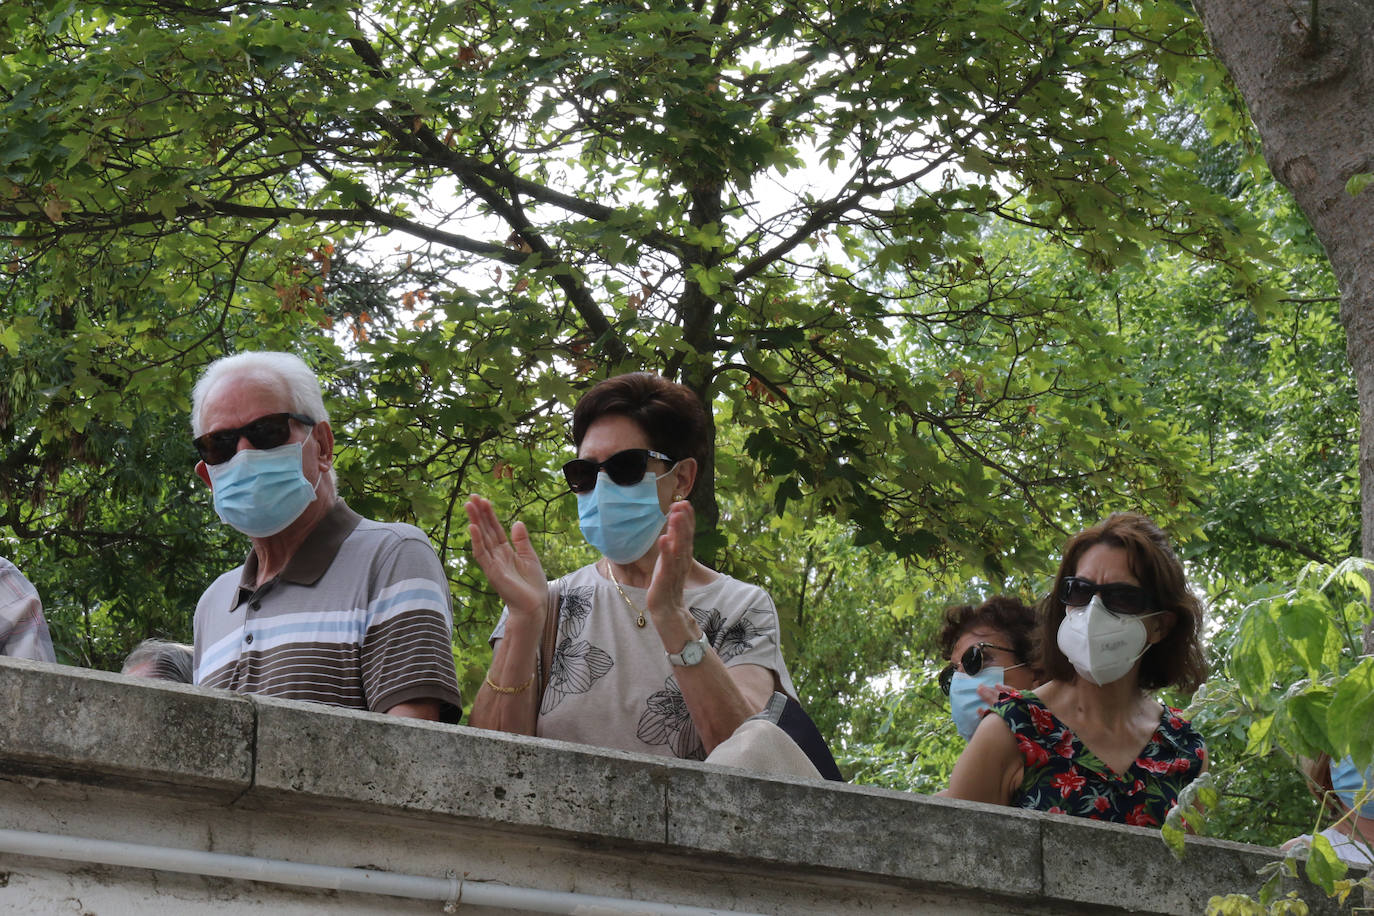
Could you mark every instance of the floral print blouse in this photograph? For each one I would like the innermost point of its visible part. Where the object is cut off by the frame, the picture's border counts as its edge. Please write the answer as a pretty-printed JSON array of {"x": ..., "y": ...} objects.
[{"x": 1064, "y": 777}]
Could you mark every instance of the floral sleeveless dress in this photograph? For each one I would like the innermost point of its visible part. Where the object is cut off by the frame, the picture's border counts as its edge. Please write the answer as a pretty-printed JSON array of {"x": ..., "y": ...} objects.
[{"x": 1064, "y": 777}]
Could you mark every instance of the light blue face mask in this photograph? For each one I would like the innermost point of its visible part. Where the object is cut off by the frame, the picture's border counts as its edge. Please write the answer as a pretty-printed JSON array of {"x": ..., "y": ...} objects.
[
  {"x": 621, "y": 522},
  {"x": 964, "y": 701},
  {"x": 262, "y": 491},
  {"x": 1350, "y": 784}
]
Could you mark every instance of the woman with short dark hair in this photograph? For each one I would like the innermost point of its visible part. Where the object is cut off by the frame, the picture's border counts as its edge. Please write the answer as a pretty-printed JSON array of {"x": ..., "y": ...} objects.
[
  {"x": 655, "y": 652},
  {"x": 1092, "y": 741}
]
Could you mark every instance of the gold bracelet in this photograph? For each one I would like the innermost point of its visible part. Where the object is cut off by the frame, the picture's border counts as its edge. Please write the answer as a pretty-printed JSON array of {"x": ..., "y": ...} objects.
[{"x": 509, "y": 690}]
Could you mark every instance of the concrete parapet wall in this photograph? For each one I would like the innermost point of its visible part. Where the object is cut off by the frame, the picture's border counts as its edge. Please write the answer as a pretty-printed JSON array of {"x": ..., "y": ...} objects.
[{"x": 97, "y": 755}]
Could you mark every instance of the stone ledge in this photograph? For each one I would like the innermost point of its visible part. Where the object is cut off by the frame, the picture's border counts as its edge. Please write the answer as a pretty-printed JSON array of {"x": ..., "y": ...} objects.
[
  {"x": 885, "y": 833},
  {"x": 261, "y": 754},
  {"x": 102, "y": 728},
  {"x": 1091, "y": 862},
  {"x": 345, "y": 757}
]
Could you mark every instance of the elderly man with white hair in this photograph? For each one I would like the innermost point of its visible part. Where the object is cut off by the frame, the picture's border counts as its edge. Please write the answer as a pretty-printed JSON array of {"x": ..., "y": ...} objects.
[{"x": 328, "y": 606}]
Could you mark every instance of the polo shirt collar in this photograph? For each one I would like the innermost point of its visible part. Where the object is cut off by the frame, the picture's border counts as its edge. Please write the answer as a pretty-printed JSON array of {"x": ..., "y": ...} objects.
[{"x": 312, "y": 558}]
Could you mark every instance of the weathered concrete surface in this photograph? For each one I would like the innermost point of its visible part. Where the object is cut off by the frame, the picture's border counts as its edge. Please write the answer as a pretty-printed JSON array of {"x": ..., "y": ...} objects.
[
  {"x": 430, "y": 769},
  {"x": 105, "y": 727},
  {"x": 878, "y": 831},
  {"x": 96, "y": 755},
  {"x": 1090, "y": 862}
]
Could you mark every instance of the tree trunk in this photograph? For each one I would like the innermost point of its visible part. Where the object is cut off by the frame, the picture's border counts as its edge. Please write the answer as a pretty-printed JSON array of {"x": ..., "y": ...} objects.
[{"x": 1306, "y": 70}]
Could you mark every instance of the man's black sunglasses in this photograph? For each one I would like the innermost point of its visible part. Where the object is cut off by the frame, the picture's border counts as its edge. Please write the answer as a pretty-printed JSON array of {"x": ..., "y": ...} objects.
[
  {"x": 1119, "y": 597},
  {"x": 263, "y": 433},
  {"x": 624, "y": 468},
  {"x": 971, "y": 662}
]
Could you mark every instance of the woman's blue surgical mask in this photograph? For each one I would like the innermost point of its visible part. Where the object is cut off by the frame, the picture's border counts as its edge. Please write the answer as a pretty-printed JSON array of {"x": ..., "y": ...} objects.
[
  {"x": 621, "y": 522},
  {"x": 262, "y": 491},
  {"x": 965, "y": 705},
  {"x": 1350, "y": 785}
]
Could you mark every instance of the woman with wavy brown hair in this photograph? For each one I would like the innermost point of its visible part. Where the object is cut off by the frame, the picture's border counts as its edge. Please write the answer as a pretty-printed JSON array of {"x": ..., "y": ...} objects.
[{"x": 1093, "y": 741}]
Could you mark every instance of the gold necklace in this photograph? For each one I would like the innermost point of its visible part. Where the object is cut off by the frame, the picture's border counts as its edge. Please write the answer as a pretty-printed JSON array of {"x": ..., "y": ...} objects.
[{"x": 639, "y": 619}]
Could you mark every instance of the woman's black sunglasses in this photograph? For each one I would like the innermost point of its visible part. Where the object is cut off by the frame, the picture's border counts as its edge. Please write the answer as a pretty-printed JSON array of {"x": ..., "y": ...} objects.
[
  {"x": 971, "y": 662},
  {"x": 624, "y": 468},
  {"x": 1117, "y": 596},
  {"x": 263, "y": 433}
]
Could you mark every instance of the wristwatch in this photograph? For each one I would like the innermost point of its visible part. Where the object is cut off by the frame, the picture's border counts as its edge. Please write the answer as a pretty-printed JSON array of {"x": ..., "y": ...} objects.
[{"x": 690, "y": 654}]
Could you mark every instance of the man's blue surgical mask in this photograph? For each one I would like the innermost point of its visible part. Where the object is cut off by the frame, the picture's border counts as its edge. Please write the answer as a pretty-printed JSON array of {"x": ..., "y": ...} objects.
[
  {"x": 621, "y": 522},
  {"x": 964, "y": 702},
  {"x": 262, "y": 491},
  {"x": 1350, "y": 785}
]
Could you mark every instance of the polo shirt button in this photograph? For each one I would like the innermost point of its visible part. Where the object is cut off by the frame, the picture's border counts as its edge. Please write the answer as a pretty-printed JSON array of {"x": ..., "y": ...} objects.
[{"x": 248, "y": 638}]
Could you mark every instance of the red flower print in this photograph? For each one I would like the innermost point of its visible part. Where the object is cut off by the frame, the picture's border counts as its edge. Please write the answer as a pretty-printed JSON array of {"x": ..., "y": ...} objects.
[
  {"x": 1056, "y": 810},
  {"x": 1155, "y": 766},
  {"x": 1065, "y": 746},
  {"x": 1101, "y": 803},
  {"x": 1180, "y": 765},
  {"x": 1175, "y": 722},
  {"x": 1139, "y": 818},
  {"x": 1068, "y": 782},
  {"x": 1044, "y": 722},
  {"x": 1032, "y": 753},
  {"x": 1138, "y": 787}
]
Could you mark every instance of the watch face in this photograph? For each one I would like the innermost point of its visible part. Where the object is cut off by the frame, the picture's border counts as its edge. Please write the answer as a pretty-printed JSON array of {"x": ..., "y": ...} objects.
[{"x": 692, "y": 653}]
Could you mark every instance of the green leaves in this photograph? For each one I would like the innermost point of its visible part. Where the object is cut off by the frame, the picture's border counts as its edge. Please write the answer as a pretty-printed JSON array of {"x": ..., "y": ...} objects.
[
  {"x": 1301, "y": 643},
  {"x": 1190, "y": 812},
  {"x": 1358, "y": 182},
  {"x": 1324, "y": 868},
  {"x": 1350, "y": 715},
  {"x": 1295, "y": 681}
]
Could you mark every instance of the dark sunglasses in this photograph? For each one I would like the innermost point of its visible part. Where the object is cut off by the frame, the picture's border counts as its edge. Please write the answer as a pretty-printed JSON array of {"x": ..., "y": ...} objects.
[
  {"x": 971, "y": 662},
  {"x": 263, "y": 433},
  {"x": 1117, "y": 596},
  {"x": 624, "y": 468}
]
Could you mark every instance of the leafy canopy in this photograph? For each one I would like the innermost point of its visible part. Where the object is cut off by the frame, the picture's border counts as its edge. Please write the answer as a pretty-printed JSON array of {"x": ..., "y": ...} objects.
[{"x": 575, "y": 189}]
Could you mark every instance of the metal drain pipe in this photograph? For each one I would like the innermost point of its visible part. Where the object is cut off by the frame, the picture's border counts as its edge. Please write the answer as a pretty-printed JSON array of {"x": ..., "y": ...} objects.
[{"x": 452, "y": 891}]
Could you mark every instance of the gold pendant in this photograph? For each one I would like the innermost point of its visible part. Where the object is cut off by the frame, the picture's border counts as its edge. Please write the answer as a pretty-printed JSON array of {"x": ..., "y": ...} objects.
[{"x": 639, "y": 615}]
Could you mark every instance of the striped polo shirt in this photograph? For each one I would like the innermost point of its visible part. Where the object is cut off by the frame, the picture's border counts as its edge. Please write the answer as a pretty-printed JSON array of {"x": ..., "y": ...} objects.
[{"x": 359, "y": 617}]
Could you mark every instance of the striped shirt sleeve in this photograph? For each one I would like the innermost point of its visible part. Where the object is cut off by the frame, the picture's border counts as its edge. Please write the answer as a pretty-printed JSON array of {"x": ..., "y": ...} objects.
[
  {"x": 23, "y": 631},
  {"x": 407, "y": 646}
]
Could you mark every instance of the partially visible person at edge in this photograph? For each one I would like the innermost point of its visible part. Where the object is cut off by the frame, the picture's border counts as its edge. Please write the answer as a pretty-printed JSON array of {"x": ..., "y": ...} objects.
[
  {"x": 328, "y": 606},
  {"x": 1347, "y": 797},
  {"x": 161, "y": 660},
  {"x": 23, "y": 631},
  {"x": 1092, "y": 742},
  {"x": 656, "y": 652},
  {"x": 987, "y": 646}
]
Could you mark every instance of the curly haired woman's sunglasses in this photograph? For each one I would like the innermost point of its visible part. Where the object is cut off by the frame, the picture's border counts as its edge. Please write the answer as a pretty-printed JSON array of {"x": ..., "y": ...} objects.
[
  {"x": 971, "y": 662},
  {"x": 624, "y": 468},
  {"x": 1119, "y": 597}
]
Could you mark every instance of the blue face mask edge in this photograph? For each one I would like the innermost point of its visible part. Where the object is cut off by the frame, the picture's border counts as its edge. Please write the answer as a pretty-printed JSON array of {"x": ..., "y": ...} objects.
[
  {"x": 1349, "y": 783},
  {"x": 965, "y": 705},
  {"x": 260, "y": 492},
  {"x": 621, "y": 522}
]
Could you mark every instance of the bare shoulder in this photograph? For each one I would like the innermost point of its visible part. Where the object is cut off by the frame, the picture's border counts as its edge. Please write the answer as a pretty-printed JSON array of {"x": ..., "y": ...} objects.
[{"x": 989, "y": 769}]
